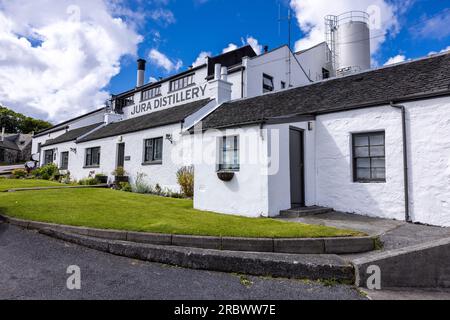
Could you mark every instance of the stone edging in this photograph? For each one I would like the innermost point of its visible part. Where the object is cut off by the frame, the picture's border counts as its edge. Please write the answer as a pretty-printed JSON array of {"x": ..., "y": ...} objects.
[
  {"x": 98, "y": 186},
  {"x": 268, "y": 245},
  {"x": 312, "y": 267}
]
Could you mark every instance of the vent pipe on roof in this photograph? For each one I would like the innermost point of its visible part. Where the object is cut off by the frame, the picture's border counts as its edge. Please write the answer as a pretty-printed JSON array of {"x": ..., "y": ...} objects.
[
  {"x": 140, "y": 72},
  {"x": 3, "y": 134}
]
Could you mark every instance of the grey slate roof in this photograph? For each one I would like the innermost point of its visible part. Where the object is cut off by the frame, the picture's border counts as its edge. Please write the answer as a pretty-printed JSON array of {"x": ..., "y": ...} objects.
[
  {"x": 9, "y": 143},
  {"x": 72, "y": 135},
  {"x": 156, "y": 119},
  {"x": 376, "y": 87}
]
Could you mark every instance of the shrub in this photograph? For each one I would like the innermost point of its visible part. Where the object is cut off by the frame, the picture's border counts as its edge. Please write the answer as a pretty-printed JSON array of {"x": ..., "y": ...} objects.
[
  {"x": 140, "y": 186},
  {"x": 119, "y": 172},
  {"x": 88, "y": 182},
  {"x": 185, "y": 178},
  {"x": 19, "y": 173},
  {"x": 65, "y": 179},
  {"x": 46, "y": 172},
  {"x": 125, "y": 187}
]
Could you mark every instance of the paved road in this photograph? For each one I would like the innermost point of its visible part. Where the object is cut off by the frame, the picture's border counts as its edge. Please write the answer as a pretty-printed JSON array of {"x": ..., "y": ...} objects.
[{"x": 33, "y": 266}]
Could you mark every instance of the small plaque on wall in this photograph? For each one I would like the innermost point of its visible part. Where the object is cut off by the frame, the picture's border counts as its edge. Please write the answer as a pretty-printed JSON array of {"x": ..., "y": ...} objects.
[{"x": 128, "y": 158}]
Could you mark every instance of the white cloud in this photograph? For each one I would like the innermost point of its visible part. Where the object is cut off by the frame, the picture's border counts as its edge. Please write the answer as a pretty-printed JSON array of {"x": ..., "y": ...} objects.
[
  {"x": 442, "y": 51},
  {"x": 152, "y": 80},
  {"x": 254, "y": 43},
  {"x": 229, "y": 48},
  {"x": 57, "y": 57},
  {"x": 397, "y": 59},
  {"x": 161, "y": 60},
  {"x": 310, "y": 16},
  {"x": 163, "y": 16},
  {"x": 201, "y": 59},
  {"x": 435, "y": 27}
]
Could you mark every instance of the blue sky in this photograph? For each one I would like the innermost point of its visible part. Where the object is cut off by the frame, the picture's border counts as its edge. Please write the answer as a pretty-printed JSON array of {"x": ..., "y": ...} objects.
[
  {"x": 211, "y": 25},
  {"x": 62, "y": 58}
]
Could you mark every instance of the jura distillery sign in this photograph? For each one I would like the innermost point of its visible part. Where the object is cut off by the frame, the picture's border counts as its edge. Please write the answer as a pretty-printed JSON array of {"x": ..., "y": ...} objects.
[{"x": 169, "y": 100}]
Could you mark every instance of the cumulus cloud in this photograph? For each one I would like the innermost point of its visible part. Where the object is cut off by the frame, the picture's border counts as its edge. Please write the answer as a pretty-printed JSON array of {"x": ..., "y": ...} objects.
[
  {"x": 201, "y": 59},
  {"x": 57, "y": 57},
  {"x": 397, "y": 59},
  {"x": 161, "y": 60},
  {"x": 310, "y": 16},
  {"x": 442, "y": 51},
  {"x": 229, "y": 48},
  {"x": 254, "y": 43}
]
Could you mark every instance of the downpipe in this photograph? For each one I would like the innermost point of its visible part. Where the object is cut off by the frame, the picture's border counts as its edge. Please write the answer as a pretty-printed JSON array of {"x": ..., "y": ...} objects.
[{"x": 405, "y": 159}]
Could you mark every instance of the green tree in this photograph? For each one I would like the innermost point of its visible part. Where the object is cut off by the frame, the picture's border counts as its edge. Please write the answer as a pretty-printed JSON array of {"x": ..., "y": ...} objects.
[{"x": 14, "y": 122}]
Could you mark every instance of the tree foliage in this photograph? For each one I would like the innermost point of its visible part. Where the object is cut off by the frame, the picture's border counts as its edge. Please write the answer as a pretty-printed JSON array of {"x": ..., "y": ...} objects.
[{"x": 14, "y": 122}]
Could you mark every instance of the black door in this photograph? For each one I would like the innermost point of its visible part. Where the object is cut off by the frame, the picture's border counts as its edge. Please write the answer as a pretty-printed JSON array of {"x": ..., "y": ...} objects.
[
  {"x": 296, "y": 148},
  {"x": 121, "y": 155}
]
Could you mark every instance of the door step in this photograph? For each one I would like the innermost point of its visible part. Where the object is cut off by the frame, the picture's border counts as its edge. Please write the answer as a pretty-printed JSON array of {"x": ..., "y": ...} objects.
[{"x": 304, "y": 212}]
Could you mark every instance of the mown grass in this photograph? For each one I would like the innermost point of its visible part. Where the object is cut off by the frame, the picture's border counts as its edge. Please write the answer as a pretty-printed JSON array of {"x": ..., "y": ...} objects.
[
  {"x": 108, "y": 209},
  {"x": 7, "y": 184}
]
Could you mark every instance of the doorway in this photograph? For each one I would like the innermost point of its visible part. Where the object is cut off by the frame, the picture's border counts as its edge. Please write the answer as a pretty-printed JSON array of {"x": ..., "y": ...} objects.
[
  {"x": 297, "y": 165},
  {"x": 120, "y": 155}
]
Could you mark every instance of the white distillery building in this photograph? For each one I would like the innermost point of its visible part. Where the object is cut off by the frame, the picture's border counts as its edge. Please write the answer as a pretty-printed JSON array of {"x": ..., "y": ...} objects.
[{"x": 267, "y": 133}]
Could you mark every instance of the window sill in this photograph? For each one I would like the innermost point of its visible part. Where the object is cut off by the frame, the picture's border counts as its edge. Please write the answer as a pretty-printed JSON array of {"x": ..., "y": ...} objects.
[
  {"x": 370, "y": 182},
  {"x": 91, "y": 167},
  {"x": 153, "y": 163}
]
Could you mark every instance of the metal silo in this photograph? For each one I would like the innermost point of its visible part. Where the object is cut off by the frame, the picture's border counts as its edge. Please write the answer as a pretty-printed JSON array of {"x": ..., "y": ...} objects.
[{"x": 348, "y": 36}]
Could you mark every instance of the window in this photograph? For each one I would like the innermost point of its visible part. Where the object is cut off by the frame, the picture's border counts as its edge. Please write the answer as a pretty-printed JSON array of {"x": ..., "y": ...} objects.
[
  {"x": 129, "y": 101},
  {"x": 92, "y": 157},
  {"x": 283, "y": 85},
  {"x": 64, "y": 161},
  {"x": 182, "y": 82},
  {"x": 151, "y": 93},
  {"x": 369, "y": 162},
  {"x": 153, "y": 149},
  {"x": 48, "y": 157},
  {"x": 267, "y": 83},
  {"x": 325, "y": 73},
  {"x": 229, "y": 154}
]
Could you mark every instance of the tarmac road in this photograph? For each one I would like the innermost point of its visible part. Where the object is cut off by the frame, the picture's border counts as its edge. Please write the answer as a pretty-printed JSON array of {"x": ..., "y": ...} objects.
[{"x": 33, "y": 266}]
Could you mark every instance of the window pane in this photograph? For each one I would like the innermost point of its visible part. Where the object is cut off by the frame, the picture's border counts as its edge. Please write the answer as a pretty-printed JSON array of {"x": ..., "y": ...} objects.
[
  {"x": 158, "y": 149},
  {"x": 361, "y": 152},
  {"x": 361, "y": 141},
  {"x": 363, "y": 163},
  {"x": 363, "y": 174},
  {"x": 377, "y": 140},
  {"x": 378, "y": 163},
  {"x": 378, "y": 173},
  {"x": 377, "y": 151}
]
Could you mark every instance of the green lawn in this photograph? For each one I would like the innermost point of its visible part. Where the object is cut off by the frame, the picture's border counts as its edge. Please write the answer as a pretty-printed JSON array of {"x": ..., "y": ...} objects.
[
  {"x": 7, "y": 184},
  {"x": 108, "y": 209}
]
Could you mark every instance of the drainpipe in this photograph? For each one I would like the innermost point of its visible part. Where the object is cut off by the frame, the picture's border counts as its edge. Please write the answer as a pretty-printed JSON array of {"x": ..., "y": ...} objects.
[{"x": 405, "y": 159}]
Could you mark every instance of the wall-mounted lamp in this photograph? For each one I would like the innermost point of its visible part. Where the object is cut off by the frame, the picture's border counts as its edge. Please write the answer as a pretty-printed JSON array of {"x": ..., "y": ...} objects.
[
  {"x": 74, "y": 150},
  {"x": 170, "y": 138},
  {"x": 310, "y": 126}
]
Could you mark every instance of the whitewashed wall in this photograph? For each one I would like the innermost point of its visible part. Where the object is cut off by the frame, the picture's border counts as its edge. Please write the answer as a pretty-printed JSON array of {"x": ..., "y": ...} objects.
[
  {"x": 429, "y": 154},
  {"x": 275, "y": 64},
  {"x": 335, "y": 186},
  {"x": 314, "y": 59},
  {"x": 247, "y": 193}
]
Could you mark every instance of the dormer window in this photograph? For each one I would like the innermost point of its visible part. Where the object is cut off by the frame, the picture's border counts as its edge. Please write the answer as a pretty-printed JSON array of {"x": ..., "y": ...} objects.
[
  {"x": 151, "y": 93},
  {"x": 182, "y": 83}
]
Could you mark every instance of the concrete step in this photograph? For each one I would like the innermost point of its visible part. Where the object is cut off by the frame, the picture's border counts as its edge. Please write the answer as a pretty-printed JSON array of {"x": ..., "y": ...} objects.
[{"x": 304, "y": 212}]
